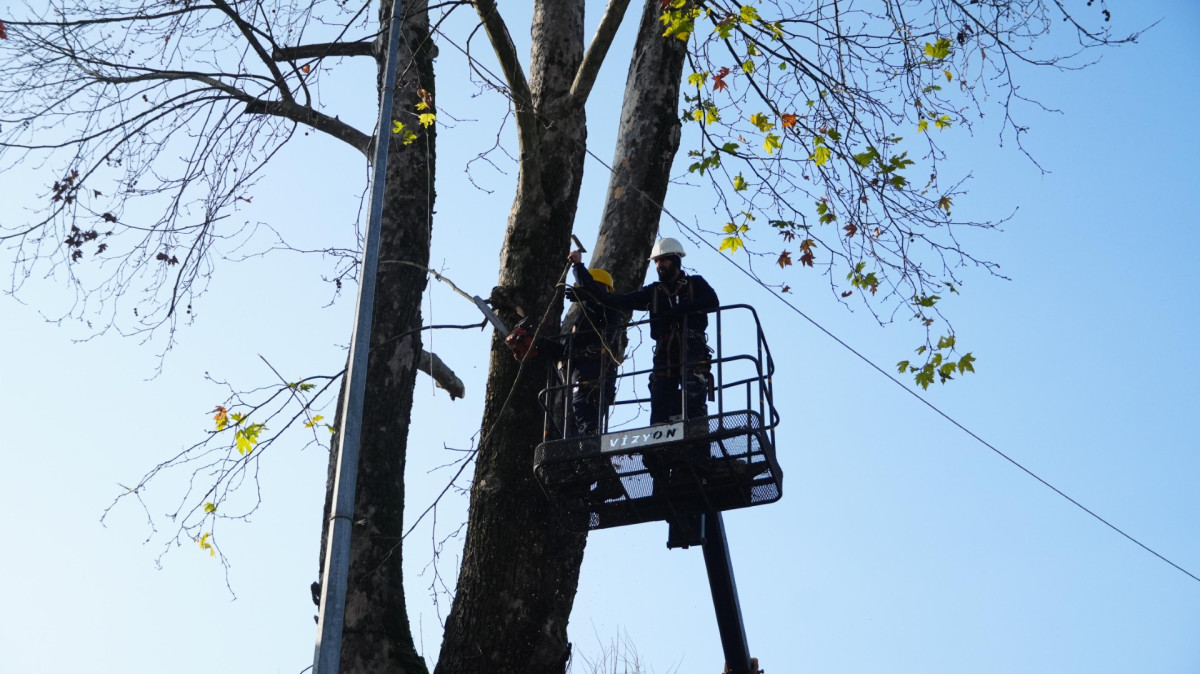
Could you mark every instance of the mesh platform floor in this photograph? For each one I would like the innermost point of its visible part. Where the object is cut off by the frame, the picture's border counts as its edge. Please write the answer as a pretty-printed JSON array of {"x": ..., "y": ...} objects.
[{"x": 669, "y": 471}]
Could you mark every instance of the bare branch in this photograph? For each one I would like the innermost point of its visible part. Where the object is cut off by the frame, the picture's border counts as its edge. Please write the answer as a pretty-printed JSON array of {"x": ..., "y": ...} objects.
[{"x": 597, "y": 50}]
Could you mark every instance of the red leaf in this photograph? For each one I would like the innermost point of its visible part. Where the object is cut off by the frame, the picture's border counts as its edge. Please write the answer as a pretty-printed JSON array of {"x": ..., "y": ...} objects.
[
  {"x": 788, "y": 119},
  {"x": 3, "y": 31},
  {"x": 851, "y": 230},
  {"x": 305, "y": 68},
  {"x": 785, "y": 259},
  {"x": 847, "y": 293},
  {"x": 719, "y": 83}
]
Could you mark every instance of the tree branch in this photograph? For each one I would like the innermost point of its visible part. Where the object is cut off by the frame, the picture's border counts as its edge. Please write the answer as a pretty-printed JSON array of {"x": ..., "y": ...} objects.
[
  {"x": 443, "y": 376},
  {"x": 597, "y": 50},
  {"x": 514, "y": 74},
  {"x": 248, "y": 32},
  {"x": 328, "y": 49},
  {"x": 317, "y": 120}
]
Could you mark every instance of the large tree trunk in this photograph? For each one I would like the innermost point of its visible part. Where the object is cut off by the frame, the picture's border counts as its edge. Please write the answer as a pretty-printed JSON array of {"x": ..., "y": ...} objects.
[
  {"x": 521, "y": 562},
  {"x": 377, "y": 638},
  {"x": 521, "y": 559},
  {"x": 647, "y": 141}
]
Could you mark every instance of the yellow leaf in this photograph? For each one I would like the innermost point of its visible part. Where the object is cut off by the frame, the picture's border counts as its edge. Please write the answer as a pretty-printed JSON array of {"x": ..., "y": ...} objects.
[
  {"x": 397, "y": 127},
  {"x": 739, "y": 183},
  {"x": 422, "y": 105},
  {"x": 949, "y": 77},
  {"x": 731, "y": 244},
  {"x": 772, "y": 143},
  {"x": 761, "y": 121},
  {"x": 821, "y": 155},
  {"x": 210, "y": 507},
  {"x": 426, "y": 119},
  {"x": 205, "y": 545},
  {"x": 922, "y": 126}
]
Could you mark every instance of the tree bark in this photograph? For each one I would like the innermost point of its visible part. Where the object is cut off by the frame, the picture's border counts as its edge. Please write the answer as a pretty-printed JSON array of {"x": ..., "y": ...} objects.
[
  {"x": 377, "y": 637},
  {"x": 647, "y": 141},
  {"x": 521, "y": 558}
]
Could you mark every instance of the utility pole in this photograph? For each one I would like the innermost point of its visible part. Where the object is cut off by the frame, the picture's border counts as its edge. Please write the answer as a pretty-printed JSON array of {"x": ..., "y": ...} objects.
[{"x": 327, "y": 657}]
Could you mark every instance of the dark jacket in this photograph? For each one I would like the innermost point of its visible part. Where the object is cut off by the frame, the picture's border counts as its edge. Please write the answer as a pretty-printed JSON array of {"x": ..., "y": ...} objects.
[
  {"x": 668, "y": 304},
  {"x": 600, "y": 326}
]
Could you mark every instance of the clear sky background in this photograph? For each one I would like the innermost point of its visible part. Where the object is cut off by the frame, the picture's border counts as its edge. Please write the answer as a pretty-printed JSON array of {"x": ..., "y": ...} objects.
[{"x": 901, "y": 544}]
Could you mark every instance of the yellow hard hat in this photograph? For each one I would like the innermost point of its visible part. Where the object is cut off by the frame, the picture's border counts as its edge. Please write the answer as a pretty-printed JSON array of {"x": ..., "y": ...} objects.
[{"x": 603, "y": 277}]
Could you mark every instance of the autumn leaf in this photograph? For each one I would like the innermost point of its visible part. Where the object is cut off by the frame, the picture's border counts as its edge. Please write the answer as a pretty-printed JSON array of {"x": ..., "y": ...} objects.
[
  {"x": 305, "y": 68},
  {"x": 851, "y": 230},
  {"x": 847, "y": 293},
  {"x": 788, "y": 119},
  {"x": 221, "y": 417},
  {"x": 772, "y": 143},
  {"x": 731, "y": 244},
  {"x": 944, "y": 204},
  {"x": 427, "y": 119},
  {"x": 210, "y": 508},
  {"x": 739, "y": 183},
  {"x": 922, "y": 126},
  {"x": 719, "y": 83},
  {"x": 205, "y": 545},
  {"x": 314, "y": 421},
  {"x": 785, "y": 259},
  {"x": 3, "y": 31},
  {"x": 821, "y": 155}
]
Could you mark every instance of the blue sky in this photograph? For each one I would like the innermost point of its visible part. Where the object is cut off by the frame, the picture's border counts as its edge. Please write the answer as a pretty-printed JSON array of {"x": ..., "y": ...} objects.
[{"x": 900, "y": 545}]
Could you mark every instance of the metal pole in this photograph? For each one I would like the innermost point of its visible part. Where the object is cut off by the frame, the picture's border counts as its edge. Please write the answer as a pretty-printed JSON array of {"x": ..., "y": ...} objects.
[
  {"x": 725, "y": 596},
  {"x": 327, "y": 658}
]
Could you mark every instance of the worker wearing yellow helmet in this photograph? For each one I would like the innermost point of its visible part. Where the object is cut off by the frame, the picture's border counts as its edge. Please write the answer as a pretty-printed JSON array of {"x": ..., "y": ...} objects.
[{"x": 591, "y": 361}]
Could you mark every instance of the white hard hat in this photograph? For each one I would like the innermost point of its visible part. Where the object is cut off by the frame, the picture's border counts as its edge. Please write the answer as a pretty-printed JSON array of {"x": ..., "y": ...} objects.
[{"x": 666, "y": 246}]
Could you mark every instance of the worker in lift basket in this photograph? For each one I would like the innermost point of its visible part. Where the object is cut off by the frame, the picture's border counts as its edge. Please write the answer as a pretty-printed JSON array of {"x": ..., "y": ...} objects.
[{"x": 677, "y": 303}]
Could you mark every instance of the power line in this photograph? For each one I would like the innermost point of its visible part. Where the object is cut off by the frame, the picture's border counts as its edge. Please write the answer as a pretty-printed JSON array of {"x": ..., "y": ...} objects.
[{"x": 892, "y": 378}]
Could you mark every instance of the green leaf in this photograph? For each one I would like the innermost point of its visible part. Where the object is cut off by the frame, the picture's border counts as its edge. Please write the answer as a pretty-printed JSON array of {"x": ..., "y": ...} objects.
[
  {"x": 965, "y": 363},
  {"x": 902, "y": 366},
  {"x": 747, "y": 66},
  {"x": 749, "y": 14},
  {"x": 821, "y": 155},
  {"x": 761, "y": 121},
  {"x": 926, "y": 301},
  {"x": 697, "y": 79},
  {"x": 924, "y": 377},
  {"x": 938, "y": 50}
]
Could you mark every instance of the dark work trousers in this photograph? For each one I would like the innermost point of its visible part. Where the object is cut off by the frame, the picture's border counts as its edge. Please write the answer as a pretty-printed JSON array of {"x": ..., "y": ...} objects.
[
  {"x": 679, "y": 375},
  {"x": 593, "y": 388}
]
